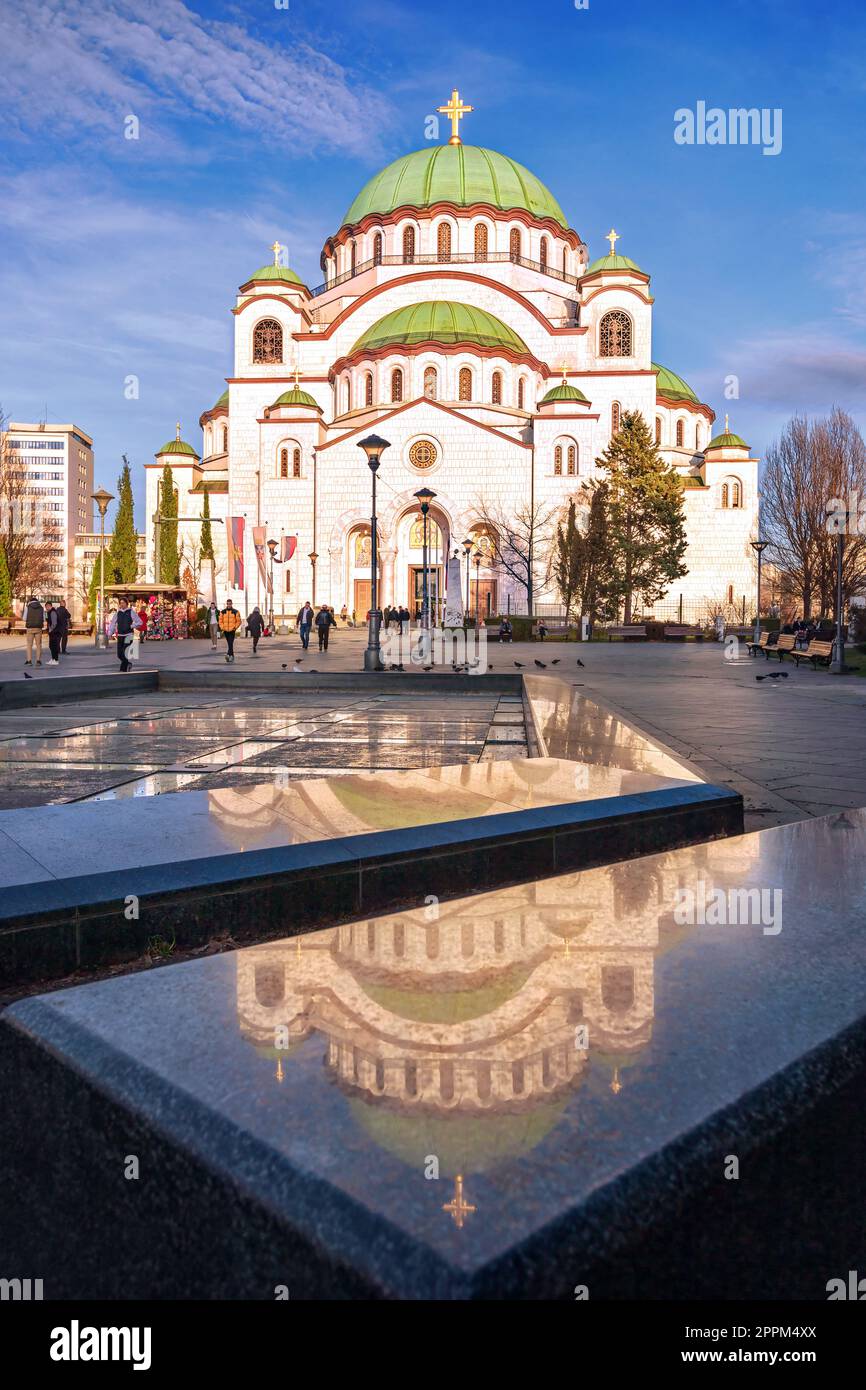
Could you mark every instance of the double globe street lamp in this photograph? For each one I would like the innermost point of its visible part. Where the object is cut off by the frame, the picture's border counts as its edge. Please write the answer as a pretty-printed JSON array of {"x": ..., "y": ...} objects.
[
  {"x": 425, "y": 497},
  {"x": 102, "y": 499},
  {"x": 373, "y": 446}
]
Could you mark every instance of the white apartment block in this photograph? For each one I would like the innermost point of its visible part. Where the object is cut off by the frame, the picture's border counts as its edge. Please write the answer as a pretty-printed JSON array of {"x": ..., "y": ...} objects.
[{"x": 55, "y": 464}]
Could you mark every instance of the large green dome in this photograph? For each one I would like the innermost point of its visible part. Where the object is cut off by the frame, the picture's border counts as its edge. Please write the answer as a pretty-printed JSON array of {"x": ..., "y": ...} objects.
[
  {"x": 439, "y": 321},
  {"x": 460, "y": 174}
]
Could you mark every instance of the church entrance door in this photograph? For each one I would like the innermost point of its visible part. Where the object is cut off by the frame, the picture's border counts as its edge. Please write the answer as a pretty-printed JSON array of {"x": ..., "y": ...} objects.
[
  {"x": 363, "y": 598},
  {"x": 416, "y": 590}
]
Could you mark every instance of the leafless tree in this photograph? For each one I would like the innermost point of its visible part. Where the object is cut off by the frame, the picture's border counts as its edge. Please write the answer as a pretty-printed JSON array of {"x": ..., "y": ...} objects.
[
  {"x": 814, "y": 465},
  {"x": 521, "y": 542}
]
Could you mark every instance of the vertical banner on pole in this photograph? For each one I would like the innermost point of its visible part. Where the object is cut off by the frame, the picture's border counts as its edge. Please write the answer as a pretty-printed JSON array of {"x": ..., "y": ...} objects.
[
  {"x": 235, "y": 549},
  {"x": 259, "y": 542}
]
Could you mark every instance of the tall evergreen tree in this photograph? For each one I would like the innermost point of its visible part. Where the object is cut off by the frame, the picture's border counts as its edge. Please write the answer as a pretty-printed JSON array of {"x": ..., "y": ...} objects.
[
  {"x": 5, "y": 587},
  {"x": 122, "y": 560},
  {"x": 169, "y": 556},
  {"x": 580, "y": 565},
  {"x": 207, "y": 554},
  {"x": 646, "y": 538}
]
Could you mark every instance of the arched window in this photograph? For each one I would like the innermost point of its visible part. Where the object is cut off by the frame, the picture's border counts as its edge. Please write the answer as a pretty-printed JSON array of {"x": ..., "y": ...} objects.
[
  {"x": 396, "y": 385},
  {"x": 521, "y": 393},
  {"x": 680, "y": 433},
  {"x": 368, "y": 389},
  {"x": 481, "y": 242},
  {"x": 377, "y": 249},
  {"x": 353, "y": 258},
  {"x": 735, "y": 495},
  {"x": 496, "y": 388},
  {"x": 296, "y": 463},
  {"x": 409, "y": 244},
  {"x": 464, "y": 385},
  {"x": 443, "y": 241},
  {"x": 572, "y": 460},
  {"x": 284, "y": 463},
  {"x": 726, "y": 495},
  {"x": 614, "y": 334},
  {"x": 557, "y": 460},
  {"x": 347, "y": 394},
  {"x": 658, "y": 429},
  {"x": 289, "y": 462},
  {"x": 615, "y": 417},
  {"x": 564, "y": 261},
  {"x": 225, "y": 439},
  {"x": 514, "y": 243},
  {"x": 431, "y": 383},
  {"x": 542, "y": 254},
  {"x": 267, "y": 341}
]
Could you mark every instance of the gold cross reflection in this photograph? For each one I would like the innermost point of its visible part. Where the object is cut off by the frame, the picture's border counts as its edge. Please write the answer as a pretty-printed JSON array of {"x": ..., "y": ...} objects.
[{"x": 457, "y": 1208}]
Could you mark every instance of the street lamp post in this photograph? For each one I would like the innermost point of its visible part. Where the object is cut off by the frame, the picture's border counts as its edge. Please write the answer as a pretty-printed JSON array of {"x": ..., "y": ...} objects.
[
  {"x": 425, "y": 497},
  {"x": 477, "y": 588},
  {"x": 313, "y": 557},
  {"x": 272, "y": 545},
  {"x": 102, "y": 499},
  {"x": 373, "y": 447},
  {"x": 759, "y": 547},
  {"x": 467, "y": 551},
  {"x": 837, "y": 523}
]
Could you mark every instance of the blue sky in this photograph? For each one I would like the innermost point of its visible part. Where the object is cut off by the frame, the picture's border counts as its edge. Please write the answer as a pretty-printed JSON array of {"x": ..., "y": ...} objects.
[{"x": 122, "y": 257}]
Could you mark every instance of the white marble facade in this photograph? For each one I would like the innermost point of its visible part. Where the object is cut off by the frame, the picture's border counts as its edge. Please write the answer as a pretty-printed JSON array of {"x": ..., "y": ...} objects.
[{"x": 488, "y": 437}]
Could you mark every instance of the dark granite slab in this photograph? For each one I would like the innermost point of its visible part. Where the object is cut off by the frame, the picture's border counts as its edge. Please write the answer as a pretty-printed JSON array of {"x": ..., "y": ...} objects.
[{"x": 522, "y": 1092}]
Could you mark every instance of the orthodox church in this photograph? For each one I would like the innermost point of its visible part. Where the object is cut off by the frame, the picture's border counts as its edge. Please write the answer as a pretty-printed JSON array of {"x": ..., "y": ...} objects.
[{"x": 461, "y": 319}]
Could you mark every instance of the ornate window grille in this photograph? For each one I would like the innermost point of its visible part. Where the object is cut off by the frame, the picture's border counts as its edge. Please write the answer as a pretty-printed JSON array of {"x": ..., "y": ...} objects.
[
  {"x": 496, "y": 388},
  {"x": 542, "y": 254},
  {"x": 431, "y": 383},
  {"x": 557, "y": 460},
  {"x": 614, "y": 334},
  {"x": 658, "y": 429},
  {"x": 464, "y": 387},
  {"x": 572, "y": 460},
  {"x": 396, "y": 385},
  {"x": 409, "y": 244},
  {"x": 377, "y": 248},
  {"x": 443, "y": 241},
  {"x": 481, "y": 242},
  {"x": 368, "y": 389},
  {"x": 615, "y": 417},
  {"x": 521, "y": 393},
  {"x": 514, "y": 242},
  {"x": 296, "y": 463},
  {"x": 284, "y": 463},
  {"x": 267, "y": 341},
  {"x": 680, "y": 434}
]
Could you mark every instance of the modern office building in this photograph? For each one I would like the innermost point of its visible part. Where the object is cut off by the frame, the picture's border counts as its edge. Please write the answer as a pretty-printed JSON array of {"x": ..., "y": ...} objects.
[{"x": 53, "y": 469}]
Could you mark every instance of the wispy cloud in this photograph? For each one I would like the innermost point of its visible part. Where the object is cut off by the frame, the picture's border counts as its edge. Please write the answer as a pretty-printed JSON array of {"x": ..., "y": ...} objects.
[{"x": 78, "y": 67}]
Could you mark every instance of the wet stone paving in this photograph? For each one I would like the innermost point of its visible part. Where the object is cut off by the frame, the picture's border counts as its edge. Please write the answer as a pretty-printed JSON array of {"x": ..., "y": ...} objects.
[{"x": 132, "y": 747}]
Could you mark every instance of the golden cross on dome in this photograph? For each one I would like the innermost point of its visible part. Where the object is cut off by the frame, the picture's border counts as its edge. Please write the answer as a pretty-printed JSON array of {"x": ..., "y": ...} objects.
[
  {"x": 457, "y": 1207},
  {"x": 177, "y": 431},
  {"x": 297, "y": 376},
  {"x": 726, "y": 424},
  {"x": 455, "y": 111},
  {"x": 276, "y": 248},
  {"x": 613, "y": 237},
  {"x": 564, "y": 369}
]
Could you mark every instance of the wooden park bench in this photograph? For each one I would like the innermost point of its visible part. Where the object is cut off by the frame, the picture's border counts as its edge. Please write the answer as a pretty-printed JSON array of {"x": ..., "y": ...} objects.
[
  {"x": 785, "y": 644},
  {"x": 627, "y": 631},
  {"x": 681, "y": 631},
  {"x": 755, "y": 647},
  {"x": 815, "y": 652},
  {"x": 555, "y": 627}
]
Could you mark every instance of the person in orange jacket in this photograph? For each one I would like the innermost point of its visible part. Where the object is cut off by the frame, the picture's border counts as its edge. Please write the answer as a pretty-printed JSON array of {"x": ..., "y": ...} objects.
[{"x": 230, "y": 621}]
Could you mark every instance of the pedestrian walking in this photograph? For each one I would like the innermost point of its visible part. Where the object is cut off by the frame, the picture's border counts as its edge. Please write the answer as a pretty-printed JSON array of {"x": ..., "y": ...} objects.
[
  {"x": 230, "y": 621},
  {"x": 344, "y": 616},
  {"x": 305, "y": 623},
  {"x": 34, "y": 623},
  {"x": 324, "y": 621},
  {"x": 255, "y": 627},
  {"x": 405, "y": 620},
  {"x": 213, "y": 625},
  {"x": 142, "y": 618},
  {"x": 123, "y": 624},
  {"x": 53, "y": 634}
]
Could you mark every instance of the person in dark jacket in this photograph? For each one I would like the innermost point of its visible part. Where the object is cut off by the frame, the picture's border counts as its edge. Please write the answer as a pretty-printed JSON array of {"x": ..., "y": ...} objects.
[
  {"x": 122, "y": 626},
  {"x": 255, "y": 627},
  {"x": 324, "y": 621},
  {"x": 64, "y": 622},
  {"x": 34, "y": 622},
  {"x": 53, "y": 634},
  {"x": 305, "y": 622}
]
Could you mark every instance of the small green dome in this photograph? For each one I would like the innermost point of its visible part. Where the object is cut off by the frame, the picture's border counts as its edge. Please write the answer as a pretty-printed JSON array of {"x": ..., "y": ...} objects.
[
  {"x": 671, "y": 386},
  {"x": 177, "y": 446},
  {"x": 563, "y": 392},
  {"x": 727, "y": 441},
  {"x": 609, "y": 262},
  {"x": 296, "y": 397},
  {"x": 276, "y": 272},
  {"x": 459, "y": 174},
  {"x": 439, "y": 321},
  {"x": 223, "y": 400}
]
